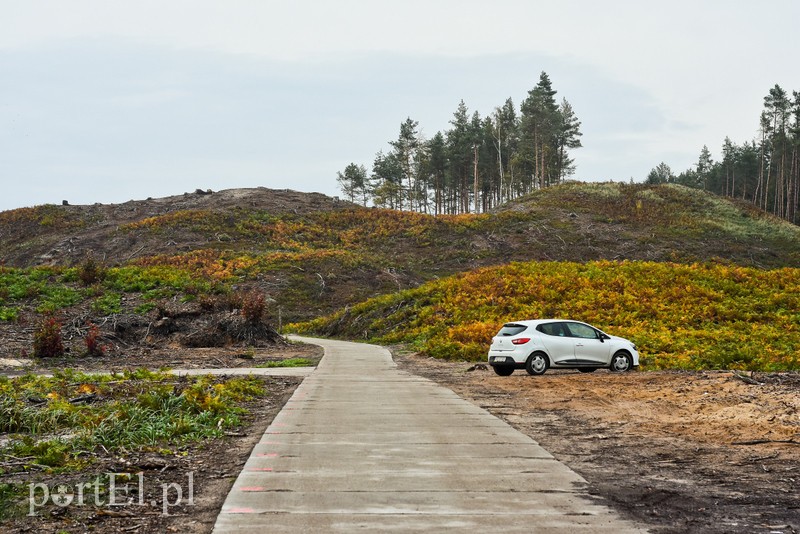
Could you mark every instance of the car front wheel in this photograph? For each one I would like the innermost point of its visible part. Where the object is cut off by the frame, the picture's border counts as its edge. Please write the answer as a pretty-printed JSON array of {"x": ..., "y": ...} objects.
[
  {"x": 537, "y": 364},
  {"x": 503, "y": 370},
  {"x": 620, "y": 362}
]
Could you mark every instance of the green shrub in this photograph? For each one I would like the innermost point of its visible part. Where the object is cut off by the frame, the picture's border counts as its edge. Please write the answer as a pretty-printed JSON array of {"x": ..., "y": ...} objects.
[
  {"x": 9, "y": 314},
  {"x": 108, "y": 304},
  {"x": 57, "y": 297}
]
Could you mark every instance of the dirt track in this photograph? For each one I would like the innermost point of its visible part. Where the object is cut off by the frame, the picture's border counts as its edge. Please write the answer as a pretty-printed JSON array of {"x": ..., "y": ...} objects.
[{"x": 682, "y": 452}]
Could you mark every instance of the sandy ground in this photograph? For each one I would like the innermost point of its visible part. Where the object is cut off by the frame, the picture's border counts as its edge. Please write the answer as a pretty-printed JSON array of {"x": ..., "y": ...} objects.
[{"x": 679, "y": 451}]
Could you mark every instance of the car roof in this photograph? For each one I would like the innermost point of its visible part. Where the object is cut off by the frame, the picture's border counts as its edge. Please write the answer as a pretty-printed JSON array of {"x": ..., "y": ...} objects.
[{"x": 535, "y": 322}]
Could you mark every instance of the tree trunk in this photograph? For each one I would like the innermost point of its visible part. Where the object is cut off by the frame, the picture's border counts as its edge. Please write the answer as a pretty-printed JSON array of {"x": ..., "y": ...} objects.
[{"x": 475, "y": 174}]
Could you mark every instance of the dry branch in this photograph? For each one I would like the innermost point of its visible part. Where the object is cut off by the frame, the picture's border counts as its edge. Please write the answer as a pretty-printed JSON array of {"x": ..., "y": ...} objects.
[
  {"x": 764, "y": 441},
  {"x": 747, "y": 379}
]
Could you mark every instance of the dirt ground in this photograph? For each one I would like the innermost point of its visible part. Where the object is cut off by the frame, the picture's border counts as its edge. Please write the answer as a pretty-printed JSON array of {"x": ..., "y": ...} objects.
[
  {"x": 175, "y": 357},
  {"x": 212, "y": 466},
  {"x": 682, "y": 452}
]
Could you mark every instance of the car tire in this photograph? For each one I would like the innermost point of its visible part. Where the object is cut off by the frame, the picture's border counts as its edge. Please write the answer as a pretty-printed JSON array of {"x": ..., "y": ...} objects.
[
  {"x": 621, "y": 362},
  {"x": 587, "y": 369},
  {"x": 503, "y": 370},
  {"x": 537, "y": 363}
]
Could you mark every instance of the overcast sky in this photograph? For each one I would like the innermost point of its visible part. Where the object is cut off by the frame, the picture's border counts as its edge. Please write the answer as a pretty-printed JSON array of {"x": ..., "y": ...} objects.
[{"x": 108, "y": 101}]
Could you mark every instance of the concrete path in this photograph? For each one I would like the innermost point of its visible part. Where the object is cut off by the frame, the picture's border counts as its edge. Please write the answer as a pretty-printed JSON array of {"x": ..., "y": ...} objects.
[{"x": 361, "y": 446}]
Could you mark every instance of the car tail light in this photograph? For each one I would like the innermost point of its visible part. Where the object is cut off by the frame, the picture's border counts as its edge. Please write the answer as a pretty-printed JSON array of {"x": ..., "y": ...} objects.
[{"x": 520, "y": 340}]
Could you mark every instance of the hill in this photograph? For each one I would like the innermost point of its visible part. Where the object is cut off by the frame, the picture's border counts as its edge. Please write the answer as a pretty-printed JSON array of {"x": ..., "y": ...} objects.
[
  {"x": 64, "y": 235},
  {"x": 573, "y": 222},
  {"x": 310, "y": 254},
  {"x": 682, "y": 316}
]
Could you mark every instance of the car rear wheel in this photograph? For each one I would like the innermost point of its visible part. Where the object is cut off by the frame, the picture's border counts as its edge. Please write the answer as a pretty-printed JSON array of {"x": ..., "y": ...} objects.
[
  {"x": 537, "y": 364},
  {"x": 621, "y": 362},
  {"x": 587, "y": 369},
  {"x": 503, "y": 370}
]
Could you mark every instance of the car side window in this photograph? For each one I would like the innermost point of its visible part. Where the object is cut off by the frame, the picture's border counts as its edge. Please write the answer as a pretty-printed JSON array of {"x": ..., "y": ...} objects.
[
  {"x": 553, "y": 329},
  {"x": 582, "y": 331}
]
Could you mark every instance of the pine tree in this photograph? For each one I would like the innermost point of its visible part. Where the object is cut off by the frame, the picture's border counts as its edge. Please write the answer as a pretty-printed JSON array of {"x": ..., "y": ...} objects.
[
  {"x": 387, "y": 176},
  {"x": 567, "y": 138},
  {"x": 353, "y": 182},
  {"x": 505, "y": 136},
  {"x": 661, "y": 174},
  {"x": 705, "y": 167},
  {"x": 436, "y": 169},
  {"x": 460, "y": 155},
  {"x": 406, "y": 149},
  {"x": 539, "y": 124}
]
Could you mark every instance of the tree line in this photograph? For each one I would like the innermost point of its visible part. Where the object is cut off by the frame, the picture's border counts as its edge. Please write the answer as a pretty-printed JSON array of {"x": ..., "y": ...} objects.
[
  {"x": 478, "y": 163},
  {"x": 764, "y": 171}
]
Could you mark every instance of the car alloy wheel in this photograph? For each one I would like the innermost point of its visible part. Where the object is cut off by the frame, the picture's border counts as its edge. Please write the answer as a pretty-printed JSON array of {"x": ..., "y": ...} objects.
[
  {"x": 537, "y": 364},
  {"x": 620, "y": 362}
]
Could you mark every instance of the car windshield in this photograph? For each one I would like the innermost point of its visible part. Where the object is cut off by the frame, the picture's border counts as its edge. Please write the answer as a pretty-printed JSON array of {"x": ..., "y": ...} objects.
[{"x": 511, "y": 329}]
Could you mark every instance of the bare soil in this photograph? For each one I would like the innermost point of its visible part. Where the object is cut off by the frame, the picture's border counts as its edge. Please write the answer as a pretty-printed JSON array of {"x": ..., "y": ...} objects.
[
  {"x": 681, "y": 452},
  {"x": 174, "y": 357}
]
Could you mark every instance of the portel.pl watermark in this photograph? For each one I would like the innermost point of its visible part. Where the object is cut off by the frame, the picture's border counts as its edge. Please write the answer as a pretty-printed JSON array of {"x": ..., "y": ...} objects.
[{"x": 120, "y": 489}]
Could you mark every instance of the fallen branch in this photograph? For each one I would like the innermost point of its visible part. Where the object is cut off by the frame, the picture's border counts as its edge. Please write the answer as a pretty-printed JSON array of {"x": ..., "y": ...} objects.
[
  {"x": 763, "y": 441},
  {"x": 24, "y": 463},
  {"x": 747, "y": 379},
  {"x": 322, "y": 284},
  {"x": 135, "y": 253},
  {"x": 84, "y": 399},
  {"x": 25, "y": 459},
  {"x": 147, "y": 332}
]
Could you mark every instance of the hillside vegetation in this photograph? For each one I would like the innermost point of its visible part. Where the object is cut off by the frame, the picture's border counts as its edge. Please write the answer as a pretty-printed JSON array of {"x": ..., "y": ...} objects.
[
  {"x": 132, "y": 266},
  {"x": 684, "y": 316}
]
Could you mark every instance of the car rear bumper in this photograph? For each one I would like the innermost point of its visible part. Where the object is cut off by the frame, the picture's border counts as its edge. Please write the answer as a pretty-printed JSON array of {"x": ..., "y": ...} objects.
[{"x": 505, "y": 359}]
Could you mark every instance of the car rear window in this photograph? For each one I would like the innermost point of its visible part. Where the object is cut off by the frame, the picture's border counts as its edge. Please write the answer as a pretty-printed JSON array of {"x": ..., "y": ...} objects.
[
  {"x": 511, "y": 329},
  {"x": 552, "y": 329}
]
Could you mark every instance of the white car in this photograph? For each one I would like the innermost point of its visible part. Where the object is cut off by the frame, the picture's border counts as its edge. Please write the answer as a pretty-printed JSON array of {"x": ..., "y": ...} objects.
[{"x": 553, "y": 343}]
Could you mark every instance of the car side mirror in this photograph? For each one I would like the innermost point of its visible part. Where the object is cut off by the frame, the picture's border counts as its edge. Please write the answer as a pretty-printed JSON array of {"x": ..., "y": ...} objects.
[{"x": 603, "y": 337}]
